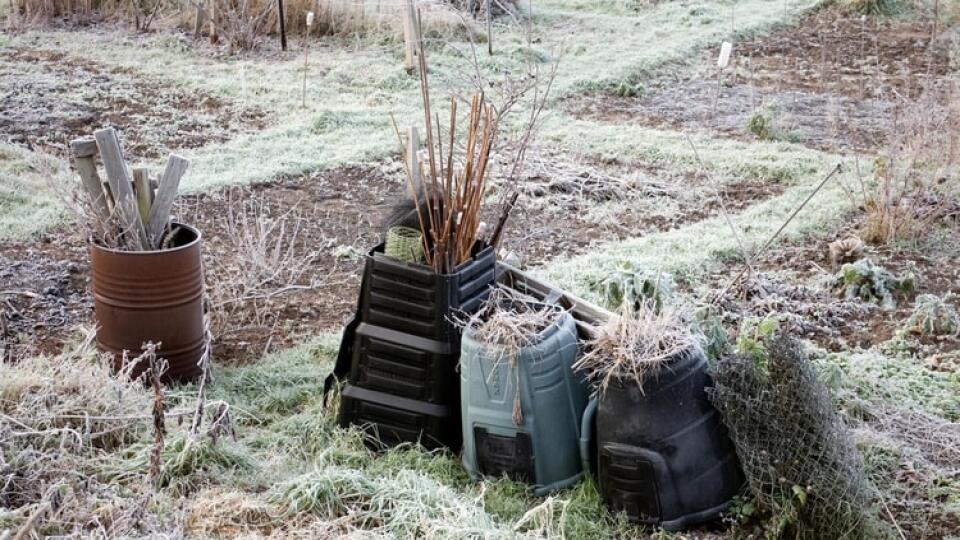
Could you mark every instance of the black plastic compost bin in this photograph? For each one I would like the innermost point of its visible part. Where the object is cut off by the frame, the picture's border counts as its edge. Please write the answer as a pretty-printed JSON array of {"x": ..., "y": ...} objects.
[
  {"x": 401, "y": 350},
  {"x": 664, "y": 456}
]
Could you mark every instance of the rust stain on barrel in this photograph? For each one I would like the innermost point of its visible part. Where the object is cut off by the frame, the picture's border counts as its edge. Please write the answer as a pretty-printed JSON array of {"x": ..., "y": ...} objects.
[{"x": 157, "y": 296}]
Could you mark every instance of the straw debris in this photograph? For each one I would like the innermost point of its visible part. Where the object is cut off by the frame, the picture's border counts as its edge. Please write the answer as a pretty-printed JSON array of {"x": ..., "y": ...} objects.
[
  {"x": 507, "y": 322},
  {"x": 637, "y": 344},
  {"x": 510, "y": 320}
]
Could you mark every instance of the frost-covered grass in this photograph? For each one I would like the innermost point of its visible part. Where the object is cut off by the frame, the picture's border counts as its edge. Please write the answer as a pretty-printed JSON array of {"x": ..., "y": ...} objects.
[
  {"x": 27, "y": 202},
  {"x": 692, "y": 250},
  {"x": 724, "y": 159},
  {"x": 293, "y": 472},
  {"x": 290, "y": 471},
  {"x": 355, "y": 85}
]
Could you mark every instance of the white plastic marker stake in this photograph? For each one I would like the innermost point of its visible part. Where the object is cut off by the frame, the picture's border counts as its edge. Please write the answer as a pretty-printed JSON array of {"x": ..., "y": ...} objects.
[
  {"x": 303, "y": 94},
  {"x": 724, "y": 60}
]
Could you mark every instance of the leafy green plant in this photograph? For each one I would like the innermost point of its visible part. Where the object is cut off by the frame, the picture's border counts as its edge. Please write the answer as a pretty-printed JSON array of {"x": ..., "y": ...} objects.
[
  {"x": 708, "y": 323},
  {"x": 632, "y": 285},
  {"x": 933, "y": 316},
  {"x": 876, "y": 7},
  {"x": 867, "y": 281},
  {"x": 760, "y": 124},
  {"x": 347, "y": 252},
  {"x": 755, "y": 335},
  {"x": 626, "y": 89}
]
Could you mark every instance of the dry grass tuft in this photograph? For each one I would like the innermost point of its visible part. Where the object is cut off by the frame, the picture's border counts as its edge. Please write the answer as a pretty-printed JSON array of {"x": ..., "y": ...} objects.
[
  {"x": 230, "y": 514},
  {"x": 478, "y": 8},
  {"x": 33, "y": 12},
  {"x": 510, "y": 321},
  {"x": 916, "y": 176},
  {"x": 367, "y": 17},
  {"x": 637, "y": 344},
  {"x": 74, "y": 396},
  {"x": 59, "y": 417},
  {"x": 244, "y": 23},
  {"x": 143, "y": 13}
]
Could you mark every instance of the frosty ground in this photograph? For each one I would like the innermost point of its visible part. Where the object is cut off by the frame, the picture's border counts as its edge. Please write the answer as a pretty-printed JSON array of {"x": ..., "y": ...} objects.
[{"x": 641, "y": 154}]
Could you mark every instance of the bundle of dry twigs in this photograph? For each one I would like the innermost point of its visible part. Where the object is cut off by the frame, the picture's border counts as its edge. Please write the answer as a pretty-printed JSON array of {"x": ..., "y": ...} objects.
[{"x": 449, "y": 193}]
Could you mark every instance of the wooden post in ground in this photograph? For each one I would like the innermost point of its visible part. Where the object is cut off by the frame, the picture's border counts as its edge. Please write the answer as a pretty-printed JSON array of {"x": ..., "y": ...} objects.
[
  {"x": 283, "y": 28},
  {"x": 126, "y": 203},
  {"x": 413, "y": 145},
  {"x": 85, "y": 157},
  {"x": 214, "y": 37},
  {"x": 489, "y": 30},
  {"x": 410, "y": 36},
  {"x": 306, "y": 48},
  {"x": 198, "y": 22}
]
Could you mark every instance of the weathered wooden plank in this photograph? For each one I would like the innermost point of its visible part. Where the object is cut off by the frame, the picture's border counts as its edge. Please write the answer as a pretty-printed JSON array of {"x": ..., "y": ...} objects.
[
  {"x": 141, "y": 187},
  {"x": 83, "y": 147},
  {"x": 166, "y": 193},
  {"x": 85, "y": 159},
  {"x": 116, "y": 170}
]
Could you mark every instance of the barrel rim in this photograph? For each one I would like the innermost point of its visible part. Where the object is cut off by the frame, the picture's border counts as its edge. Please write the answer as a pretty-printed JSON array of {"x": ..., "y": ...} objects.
[{"x": 114, "y": 251}]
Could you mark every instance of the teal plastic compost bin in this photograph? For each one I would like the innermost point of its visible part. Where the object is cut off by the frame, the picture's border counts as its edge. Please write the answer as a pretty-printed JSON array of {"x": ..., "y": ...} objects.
[{"x": 544, "y": 447}]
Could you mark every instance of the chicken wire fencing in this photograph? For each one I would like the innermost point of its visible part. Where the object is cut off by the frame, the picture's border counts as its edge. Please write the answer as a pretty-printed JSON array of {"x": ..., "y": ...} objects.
[{"x": 800, "y": 461}]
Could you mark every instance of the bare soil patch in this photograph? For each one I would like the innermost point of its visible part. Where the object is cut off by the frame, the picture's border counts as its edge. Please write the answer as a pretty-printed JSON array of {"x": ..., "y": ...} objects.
[
  {"x": 839, "y": 52},
  {"x": 831, "y": 83},
  {"x": 570, "y": 228},
  {"x": 321, "y": 224},
  {"x": 341, "y": 208},
  {"x": 793, "y": 280},
  {"x": 42, "y": 294},
  {"x": 48, "y": 98}
]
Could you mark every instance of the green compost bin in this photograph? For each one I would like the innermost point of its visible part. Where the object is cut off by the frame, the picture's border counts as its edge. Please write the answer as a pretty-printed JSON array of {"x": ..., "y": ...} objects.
[{"x": 543, "y": 449}]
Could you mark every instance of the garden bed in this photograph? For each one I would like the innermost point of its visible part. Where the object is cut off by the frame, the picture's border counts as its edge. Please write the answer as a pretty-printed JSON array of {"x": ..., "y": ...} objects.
[
  {"x": 794, "y": 280},
  {"x": 831, "y": 83},
  {"x": 331, "y": 218},
  {"x": 49, "y": 98}
]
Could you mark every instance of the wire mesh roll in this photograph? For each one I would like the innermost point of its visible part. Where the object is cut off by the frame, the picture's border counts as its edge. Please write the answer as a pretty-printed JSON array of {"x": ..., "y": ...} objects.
[{"x": 404, "y": 244}]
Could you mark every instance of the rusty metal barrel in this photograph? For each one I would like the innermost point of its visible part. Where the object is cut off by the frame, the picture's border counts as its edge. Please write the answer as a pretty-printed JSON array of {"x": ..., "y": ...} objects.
[{"x": 157, "y": 296}]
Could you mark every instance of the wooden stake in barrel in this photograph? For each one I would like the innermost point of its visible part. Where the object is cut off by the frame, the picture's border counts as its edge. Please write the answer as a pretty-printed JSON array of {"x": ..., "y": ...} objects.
[
  {"x": 85, "y": 156},
  {"x": 141, "y": 187},
  {"x": 126, "y": 204},
  {"x": 166, "y": 193}
]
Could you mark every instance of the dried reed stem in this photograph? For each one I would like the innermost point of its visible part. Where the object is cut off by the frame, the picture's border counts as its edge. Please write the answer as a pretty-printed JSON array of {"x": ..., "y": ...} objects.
[{"x": 449, "y": 201}]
